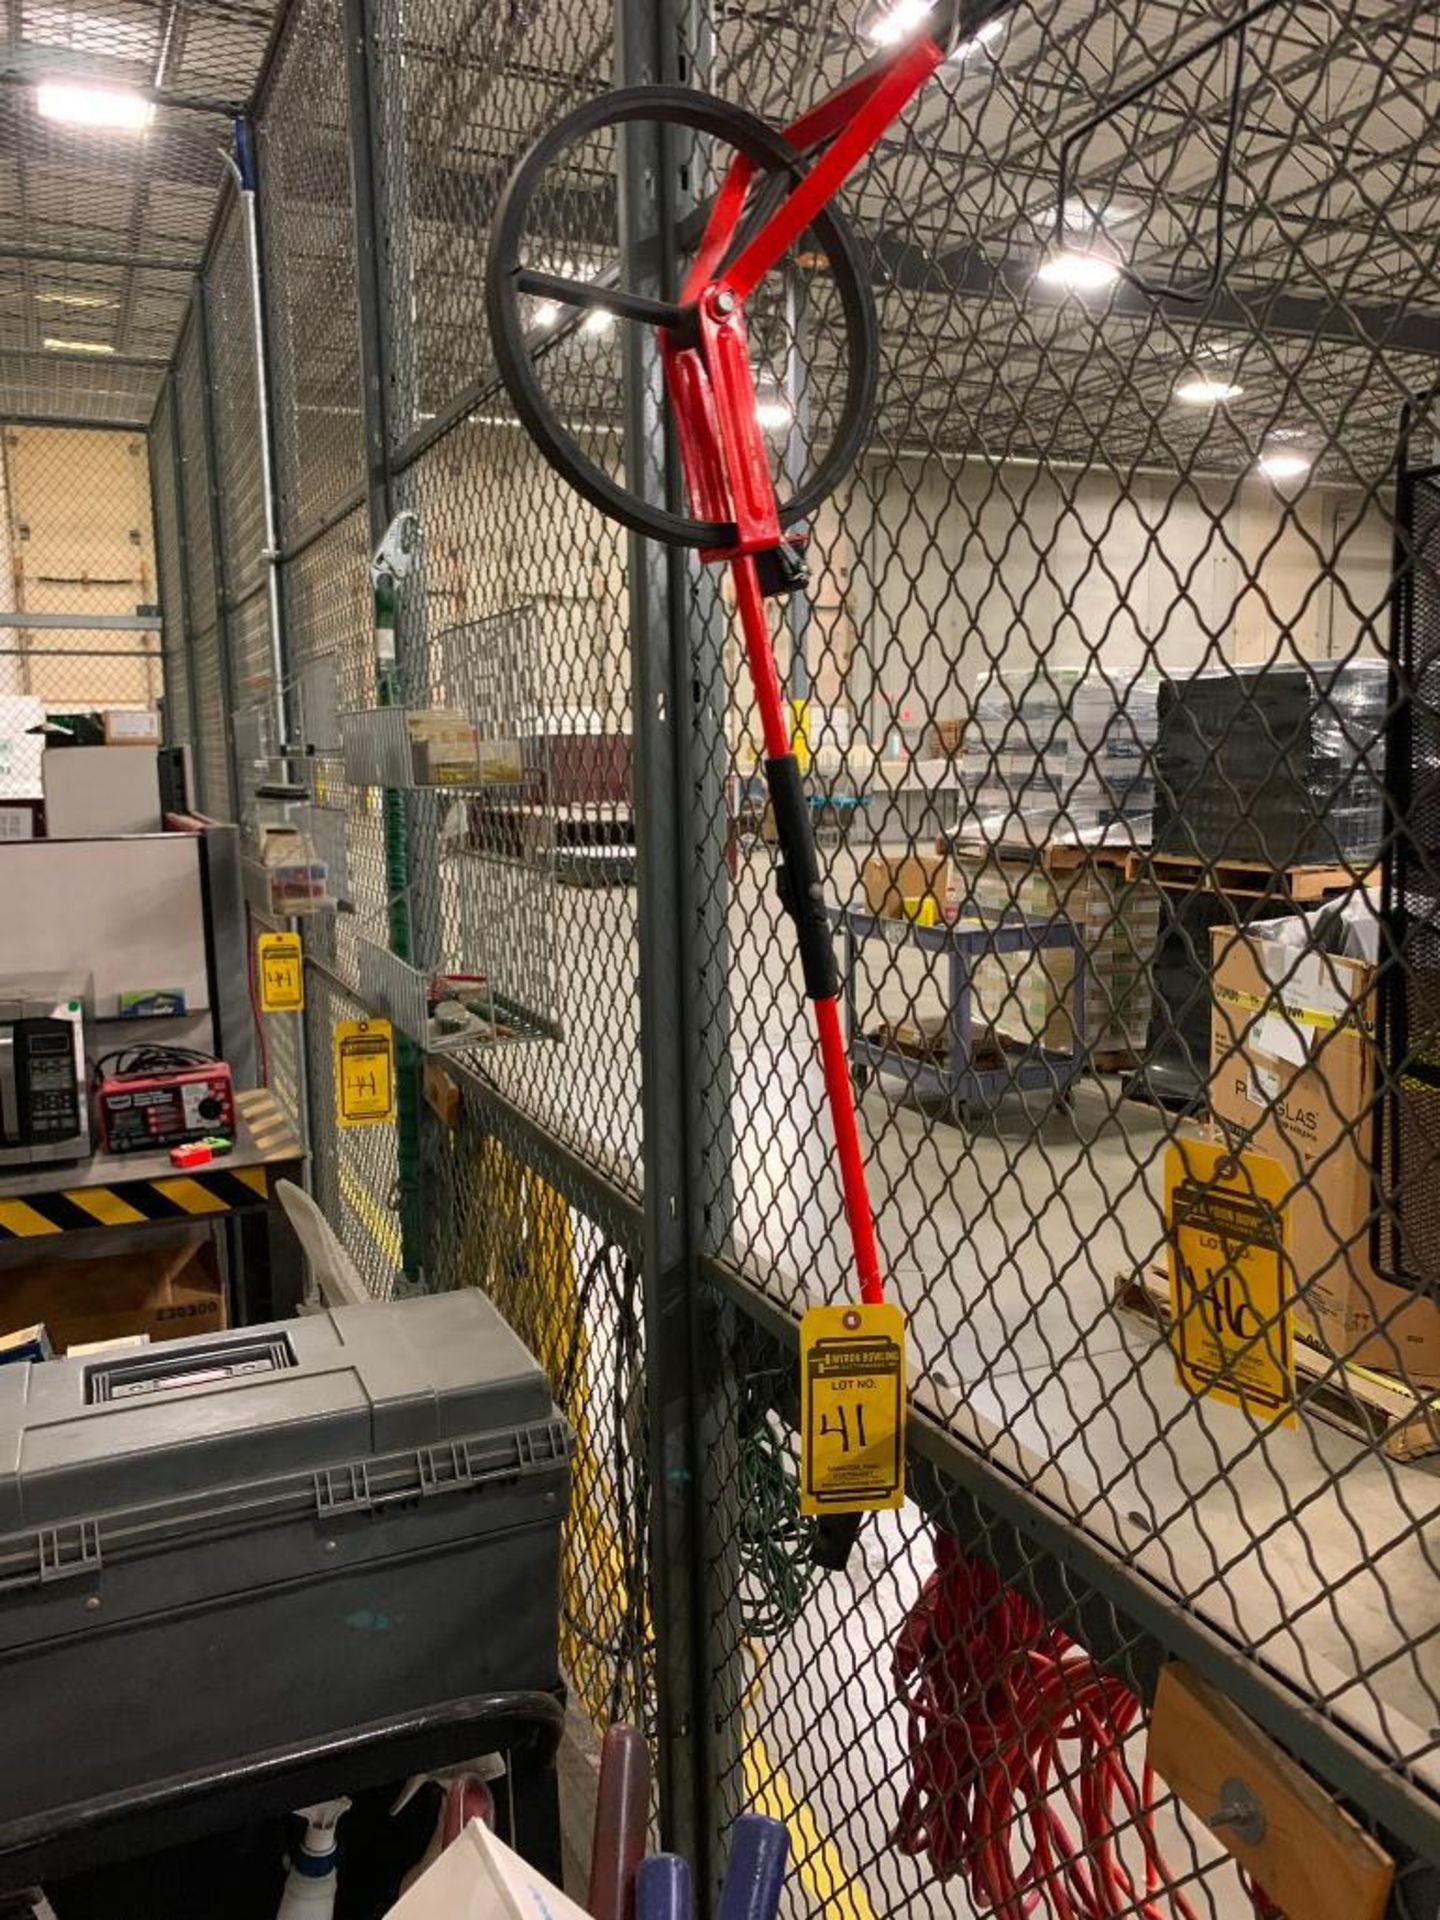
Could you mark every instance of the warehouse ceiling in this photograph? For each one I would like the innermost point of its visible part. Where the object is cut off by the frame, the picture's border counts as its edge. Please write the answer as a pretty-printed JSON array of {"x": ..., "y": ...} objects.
[
  {"x": 102, "y": 229},
  {"x": 1328, "y": 315}
]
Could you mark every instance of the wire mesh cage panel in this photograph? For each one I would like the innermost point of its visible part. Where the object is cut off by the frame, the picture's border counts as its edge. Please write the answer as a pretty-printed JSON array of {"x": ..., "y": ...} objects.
[
  {"x": 230, "y": 336},
  {"x": 78, "y": 572},
  {"x": 355, "y": 1178},
  {"x": 502, "y": 540},
  {"x": 1091, "y": 689},
  {"x": 1096, "y": 632},
  {"x": 304, "y": 163},
  {"x": 567, "y": 1277}
]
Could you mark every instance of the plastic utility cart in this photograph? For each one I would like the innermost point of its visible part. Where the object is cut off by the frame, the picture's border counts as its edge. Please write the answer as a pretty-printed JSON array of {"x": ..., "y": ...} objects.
[{"x": 956, "y": 1074}]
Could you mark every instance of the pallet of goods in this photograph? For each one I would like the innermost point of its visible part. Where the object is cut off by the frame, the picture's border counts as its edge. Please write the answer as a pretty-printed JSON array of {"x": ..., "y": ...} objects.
[{"x": 1058, "y": 796}]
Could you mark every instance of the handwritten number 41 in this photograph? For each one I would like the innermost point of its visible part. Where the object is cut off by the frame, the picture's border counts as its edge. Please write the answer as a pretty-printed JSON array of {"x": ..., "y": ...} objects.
[{"x": 841, "y": 1427}]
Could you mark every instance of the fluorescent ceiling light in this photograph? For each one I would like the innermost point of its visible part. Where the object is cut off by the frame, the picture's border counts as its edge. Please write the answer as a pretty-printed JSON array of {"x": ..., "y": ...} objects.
[
  {"x": 1202, "y": 392},
  {"x": 1079, "y": 271},
  {"x": 1285, "y": 463},
  {"x": 899, "y": 22},
  {"x": 77, "y": 299},
  {"x": 547, "y": 313},
  {"x": 774, "y": 415},
  {"x": 599, "y": 320},
  {"x": 94, "y": 106},
  {"x": 982, "y": 37},
  {"x": 55, "y": 345}
]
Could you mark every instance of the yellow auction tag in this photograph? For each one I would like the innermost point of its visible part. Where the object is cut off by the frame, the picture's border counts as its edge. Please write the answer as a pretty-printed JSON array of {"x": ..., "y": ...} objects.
[
  {"x": 1230, "y": 1290},
  {"x": 280, "y": 965},
  {"x": 852, "y": 1409},
  {"x": 364, "y": 1073}
]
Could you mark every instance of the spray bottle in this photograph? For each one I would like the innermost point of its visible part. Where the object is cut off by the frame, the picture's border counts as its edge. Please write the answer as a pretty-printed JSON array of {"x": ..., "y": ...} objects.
[{"x": 310, "y": 1884}]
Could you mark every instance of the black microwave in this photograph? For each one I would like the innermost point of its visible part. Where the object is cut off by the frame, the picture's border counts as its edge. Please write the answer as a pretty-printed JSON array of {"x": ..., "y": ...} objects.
[{"x": 44, "y": 1107}]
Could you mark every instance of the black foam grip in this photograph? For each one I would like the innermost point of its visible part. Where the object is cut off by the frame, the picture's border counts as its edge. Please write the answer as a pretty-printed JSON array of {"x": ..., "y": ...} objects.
[
  {"x": 801, "y": 893},
  {"x": 834, "y": 1539}
]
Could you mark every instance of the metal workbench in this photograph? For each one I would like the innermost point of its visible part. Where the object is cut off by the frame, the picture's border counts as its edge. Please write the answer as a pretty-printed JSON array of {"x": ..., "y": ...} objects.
[{"x": 129, "y": 1192}]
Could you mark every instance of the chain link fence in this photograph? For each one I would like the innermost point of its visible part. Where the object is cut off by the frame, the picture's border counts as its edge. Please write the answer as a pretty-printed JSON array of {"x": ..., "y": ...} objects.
[{"x": 1111, "y": 684}]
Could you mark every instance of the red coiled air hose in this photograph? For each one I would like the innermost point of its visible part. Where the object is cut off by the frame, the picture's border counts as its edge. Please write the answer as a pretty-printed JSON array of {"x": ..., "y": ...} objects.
[{"x": 1015, "y": 1733}]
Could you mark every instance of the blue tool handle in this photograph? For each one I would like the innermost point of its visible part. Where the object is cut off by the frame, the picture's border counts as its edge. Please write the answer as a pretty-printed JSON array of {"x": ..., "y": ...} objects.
[
  {"x": 759, "y": 1854},
  {"x": 662, "y": 1888}
]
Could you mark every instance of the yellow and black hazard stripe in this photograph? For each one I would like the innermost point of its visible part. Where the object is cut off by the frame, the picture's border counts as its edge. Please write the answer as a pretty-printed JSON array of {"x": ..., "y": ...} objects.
[{"x": 129, "y": 1203}]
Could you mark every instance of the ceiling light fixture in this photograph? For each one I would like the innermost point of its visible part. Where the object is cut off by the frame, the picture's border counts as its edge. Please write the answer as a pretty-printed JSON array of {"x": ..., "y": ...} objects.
[
  {"x": 76, "y": 300},
  {"x": 94, "y": 106},
  {"x": 1285, "y": 463},
  {"x": 773, "y": 415},
  {"x": 599, "y": 320},
  {"x": 898, "y": 22},
  {"x": 982, "y": 37},
  {"x": 547, "y": 313},
  {"x": 1079, "y": 271},
  {"x": 1204, "y": 392},
  {"x": 53, "y": 344}
]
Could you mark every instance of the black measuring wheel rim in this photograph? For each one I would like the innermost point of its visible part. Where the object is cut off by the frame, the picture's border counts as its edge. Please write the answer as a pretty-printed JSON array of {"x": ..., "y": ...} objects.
[{"x": 751, "y": 137}]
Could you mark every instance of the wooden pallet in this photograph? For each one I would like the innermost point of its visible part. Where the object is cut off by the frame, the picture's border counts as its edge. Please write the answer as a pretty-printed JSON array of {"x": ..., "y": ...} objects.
[
  {"x": 1246, "y": 879},
  {"x": 1367, "y": 1405},
  {"x": 1051, "y": 856},
  {"x": 1115, "y": 1060}
]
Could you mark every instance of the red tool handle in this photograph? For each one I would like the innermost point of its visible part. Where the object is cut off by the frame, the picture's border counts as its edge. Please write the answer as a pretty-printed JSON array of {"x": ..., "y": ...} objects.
[{"x": 804, "y": 900}]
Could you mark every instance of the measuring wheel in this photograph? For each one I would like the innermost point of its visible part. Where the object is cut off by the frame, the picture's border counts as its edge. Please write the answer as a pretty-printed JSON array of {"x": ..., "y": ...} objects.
[{"x": 558, "y": 307}]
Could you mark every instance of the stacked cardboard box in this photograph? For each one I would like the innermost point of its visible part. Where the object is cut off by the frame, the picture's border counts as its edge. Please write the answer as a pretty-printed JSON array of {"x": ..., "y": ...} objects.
[
  {"x": 1029, "y": 997},
  {"x": 1293, "y": 1074},
  {"x": 1055, "y": 755}
]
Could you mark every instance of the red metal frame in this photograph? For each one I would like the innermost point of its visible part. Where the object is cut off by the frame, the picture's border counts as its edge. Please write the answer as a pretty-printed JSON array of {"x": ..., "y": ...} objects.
[{"x": 711, "y": 392}]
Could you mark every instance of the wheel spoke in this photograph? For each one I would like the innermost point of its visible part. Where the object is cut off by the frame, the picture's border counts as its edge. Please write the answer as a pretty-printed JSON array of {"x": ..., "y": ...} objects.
[{"x": 595, "y": 294}]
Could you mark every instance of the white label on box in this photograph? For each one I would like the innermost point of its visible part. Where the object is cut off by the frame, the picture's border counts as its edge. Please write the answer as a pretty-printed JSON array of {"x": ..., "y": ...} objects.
[
  {"x": 1263, "y": 1088},
  {"x": 1277, "y": 1035}
]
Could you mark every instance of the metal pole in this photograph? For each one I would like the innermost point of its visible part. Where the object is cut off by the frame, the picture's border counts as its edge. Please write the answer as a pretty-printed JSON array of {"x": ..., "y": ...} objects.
[
  {"x": 663, "y": 704},
  {"x": 380, "y": 492},
  {"x": 182, "y": 555},
  {"x": 222, "y": 596},
  {"x": 249, "y": 213}
]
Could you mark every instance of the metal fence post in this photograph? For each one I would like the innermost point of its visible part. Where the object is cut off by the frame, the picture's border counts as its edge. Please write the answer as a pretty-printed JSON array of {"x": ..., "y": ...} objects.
[
  {"x": 182, "y": 612},
  {"x": 222, "y": 584},
  {"x": 662, "y": 706},
  {"x": 374, "y": 374}
]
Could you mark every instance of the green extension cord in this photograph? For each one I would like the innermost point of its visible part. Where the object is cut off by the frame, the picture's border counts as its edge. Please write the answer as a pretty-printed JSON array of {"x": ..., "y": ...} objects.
[{"x": 775, "y": 1538}]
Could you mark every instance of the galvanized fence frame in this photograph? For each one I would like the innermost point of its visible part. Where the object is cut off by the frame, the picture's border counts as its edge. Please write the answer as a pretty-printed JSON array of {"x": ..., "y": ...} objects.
[{"x": 432, "y": 1214}]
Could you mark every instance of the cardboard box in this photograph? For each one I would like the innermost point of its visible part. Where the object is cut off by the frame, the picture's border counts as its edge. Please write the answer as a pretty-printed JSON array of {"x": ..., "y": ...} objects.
[
  {"x": 1028, "y": 997},
  {"x": 444, "y": 749},
  {"x": 165, "y": 1284},
  {"x": 132, "y": 727},
  {"x": 92, "y": 792},
  {"x": 907, "y": 886},
  {"x": 1293, "y": 1068}
]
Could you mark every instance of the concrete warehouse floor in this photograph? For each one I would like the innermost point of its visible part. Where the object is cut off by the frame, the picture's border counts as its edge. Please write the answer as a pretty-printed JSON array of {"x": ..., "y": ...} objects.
[{"x": 1004, "y": 1242}]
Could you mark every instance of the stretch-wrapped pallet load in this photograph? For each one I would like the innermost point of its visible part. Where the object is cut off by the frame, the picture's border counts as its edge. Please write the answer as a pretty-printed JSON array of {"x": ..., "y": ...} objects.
[
  {"x": 1053, "y": 755},
  {"x": 1280, "y": 765},
  {"x": 1027, "y": 997}
]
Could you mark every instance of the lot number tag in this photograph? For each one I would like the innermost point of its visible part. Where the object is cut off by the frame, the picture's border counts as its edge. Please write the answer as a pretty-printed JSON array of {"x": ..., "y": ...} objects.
[
  {"x": 364, "y": 1073},
  {"x": 281, "y": 967},
  {"x": 852, "y": 1409},
  {"x": 1229, "y": 1284}
]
